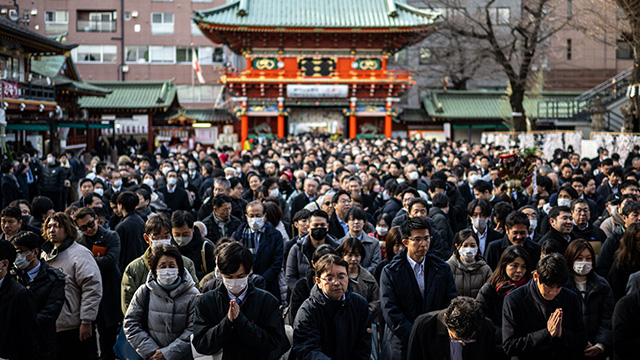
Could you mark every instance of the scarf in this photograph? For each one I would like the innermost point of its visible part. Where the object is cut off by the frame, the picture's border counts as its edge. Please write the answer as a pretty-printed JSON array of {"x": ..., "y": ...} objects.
[
  {"x": 169, "y": 288},
  {"x": 51, "y": 251},
  {"x": 222, "y": 224},
  {"x": 508, "y": 286},
  {"x": 251, "y": 239}
]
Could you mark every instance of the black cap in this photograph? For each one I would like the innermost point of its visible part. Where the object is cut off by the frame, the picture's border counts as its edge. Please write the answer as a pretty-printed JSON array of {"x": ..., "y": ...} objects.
[{"x": 613, "y": 198}]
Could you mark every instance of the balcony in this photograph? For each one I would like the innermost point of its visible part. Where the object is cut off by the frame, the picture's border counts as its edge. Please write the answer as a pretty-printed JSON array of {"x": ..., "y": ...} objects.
[
  {"x": 102, "y": 26},
  {"x": 28, "y": 91},
  {"x": 56, "y": 27},
  {"x": 297, "y": 76}
]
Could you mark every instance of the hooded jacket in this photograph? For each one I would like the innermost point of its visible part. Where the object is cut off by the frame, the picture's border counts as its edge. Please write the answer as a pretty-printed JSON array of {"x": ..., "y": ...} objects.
[{"x": 169, "y": 320}]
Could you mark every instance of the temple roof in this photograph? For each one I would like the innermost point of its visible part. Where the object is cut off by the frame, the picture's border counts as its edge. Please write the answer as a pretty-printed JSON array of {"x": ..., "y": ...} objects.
[
  {"x": 133, "y": 95},
  {"x": 335, "y": 14},
  {"x": 33, "y": 42}
]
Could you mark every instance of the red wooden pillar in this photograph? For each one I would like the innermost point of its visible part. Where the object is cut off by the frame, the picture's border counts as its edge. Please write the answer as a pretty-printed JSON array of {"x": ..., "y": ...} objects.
[
  {"x": 244, "y": 123},
  {"x": 281, "y": 117},
  {"x": 388, "y": 125},
  {"x": 352, "y": 119}
]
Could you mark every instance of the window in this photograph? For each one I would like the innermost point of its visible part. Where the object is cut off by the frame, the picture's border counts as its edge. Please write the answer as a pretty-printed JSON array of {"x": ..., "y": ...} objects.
[
  {"x": 162, "y": 23},
  {"x": 56, "y": 22},
  {"x": 95, "y": 53},
  {"x": 198, "y": 93},
  {"x": 623, "y": 50},
  {"x": 127, "y": 16},
  {"x": 102, "y": 22},
  {"x": 210, "y": 55},
  {"x": 195, "y": 30},
  {"x": 568, "y": 49},
  {"x": 202, "y": 1},
  {"x": 184, "y": 54},
  {"x": 500, "y": 15},
  {"x": 162, "y": 54},
  {"x": 137, "y": 54}
]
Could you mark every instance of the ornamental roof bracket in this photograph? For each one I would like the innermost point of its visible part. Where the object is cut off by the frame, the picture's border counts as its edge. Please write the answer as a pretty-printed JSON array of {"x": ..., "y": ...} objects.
[
  {"x": 243, "y": 8},
  {"x": 392, "y": 11}
]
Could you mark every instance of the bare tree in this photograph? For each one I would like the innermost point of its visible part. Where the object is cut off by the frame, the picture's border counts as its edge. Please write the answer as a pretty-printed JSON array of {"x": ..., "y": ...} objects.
[{"x": 515, "y": 38}]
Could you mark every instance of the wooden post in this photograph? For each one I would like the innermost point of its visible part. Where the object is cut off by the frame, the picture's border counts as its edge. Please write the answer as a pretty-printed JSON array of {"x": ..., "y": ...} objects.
[
  {"x": 281, "y": 117},
  {"x": 244, "y": 123},
  {"x": 388, "y": 126},
  {"x": 352, "y": 119}
]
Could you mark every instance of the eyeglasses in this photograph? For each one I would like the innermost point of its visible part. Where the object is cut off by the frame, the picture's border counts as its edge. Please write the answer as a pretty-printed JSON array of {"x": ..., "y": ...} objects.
[
  {"x": 87, "y": 226},
  {"x": 421, "y": 239},
  {"x": 159, "y": 237},
  {"x": 331, "y": 279},
  {"x": 327, "y": 203}
]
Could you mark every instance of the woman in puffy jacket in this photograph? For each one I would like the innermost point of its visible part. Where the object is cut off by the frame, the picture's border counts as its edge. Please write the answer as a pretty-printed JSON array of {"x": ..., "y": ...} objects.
[
  {"x": 470, "y": 270},
  {"x": 159, "y": 320},
  {"x": 596, "y": 295}
]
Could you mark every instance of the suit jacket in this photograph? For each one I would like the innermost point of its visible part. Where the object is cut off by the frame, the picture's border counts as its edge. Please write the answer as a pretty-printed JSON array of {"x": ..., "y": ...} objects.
[
  {"x": 299, "y": 202},
  {"x": 495, "y": 249},
  {"x": 335, "y": 229},
  {"x": 430, "y": 339},
  {"x": 177, "y": 200},
  {"x": 132, "y": 245}
]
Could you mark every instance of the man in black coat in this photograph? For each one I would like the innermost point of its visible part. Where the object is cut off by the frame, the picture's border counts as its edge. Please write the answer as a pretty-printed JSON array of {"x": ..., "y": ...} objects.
[
  {"x": 18, "y": 335},
  {"x": 130, "y": 230},
  {"x": 626, "y": 327},
  {"x": 461, "y": 328},
  {"x": 237, "y": 318},
  {"x": 11, "y": 190},
  {"x": 630, "y": 215},
  {"x": 543, "y": 320},
  {"x": 341, "y": 203},
  {"x": 559, "y": 233},
  {"x": 333, "y": 321},
  {"x": 175, "y": 196},
  {"x": 517, "y": 226},
  {"x": 221, "y": 222},
  {"x": 583, "y": 229},
  {"x": 191, "y": 244},
  {"x": 47, "y": 286},
  {"x": 414, "y": 283},
  {"x": 105, "y": 246},
  {"x": 479, "y": 212},
  {"x": 310, "y": 189},
  {"x": 52, "y": 181}
]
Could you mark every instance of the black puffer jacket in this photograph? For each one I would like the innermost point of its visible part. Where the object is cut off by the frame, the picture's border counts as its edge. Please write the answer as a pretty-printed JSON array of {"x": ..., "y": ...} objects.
[
  {"x": 597, "y": 309},
  {"x": 52, "y": 177},
  {"x": 337, "y": 329},
  {"x": 18, "y": 338},
  {"x": 48, "y": 290},
  {"x": 607, "y": 252}
]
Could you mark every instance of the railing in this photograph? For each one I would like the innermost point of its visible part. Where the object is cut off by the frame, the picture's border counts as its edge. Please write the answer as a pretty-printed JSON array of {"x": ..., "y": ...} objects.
[
  {"x": 275, "y": 75},
  {"x": 31, "y": 91},
  {"x": 103, "y": 26},
  {"x": 577, "y": 108}
]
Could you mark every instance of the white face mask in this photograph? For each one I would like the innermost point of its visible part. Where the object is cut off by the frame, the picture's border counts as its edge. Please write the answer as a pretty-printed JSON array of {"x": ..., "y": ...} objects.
[
  {"x": 473, "y": 178},
  {"x": 564, "y": 202},
  {"x": 236, "y": 286},
  {"x": 166, "y": 276},
  {"x": 533, "y": 224},
  {"x": 274, "y": 193},
  {"x": 99, "y": 191},
  {"x": 582, "y": 267},
  {"x": 468, "y": 253},
  {"x": 159, "y": 243},
  {"x": 382, "y": 230},
  {"x": 166, "y": 169},
  {"x": 50, "y": 160},
  {"x": 256, "y": 162},
  {"x": 21, "y": 262},
  {"x": 256, "y": 223},
  {"x": 185, "y": 177},
  {"x": 148, "y": 182},
  {"x": 413, "y": 176},
  {"x": 192, "y": 166},
  {"x": 183, "y": 240},
  {"x": 479, "y": 223},
  {"x": 172, "y": 181},
  {"x": 117, "y": 184},
  {"x": 613, "y": 209}
]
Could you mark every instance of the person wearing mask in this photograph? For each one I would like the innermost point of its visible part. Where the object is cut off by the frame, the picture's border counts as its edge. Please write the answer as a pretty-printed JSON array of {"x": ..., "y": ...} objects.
[
  {"x": 117, "y": 185},
  {"x": 543, "y": 304},
  {"x": 415, "y": 282},
  {"x": 159, "y": 321},
  {"x": 583, "y": 229},
  {"x": 459, "y": 332},
  {"x": 221, "y": 222},
  {"x": 512, "y": 272},
  {"x": 47, "y": 286},
  {"x": 83, "y": 288},
  {"x": 191, "y": 243},
  {"x": 265, "y": 243},
  {"x": 517, "y": 228},
  {"x": 532, "y": 214},
  {"x": 559, "y": 233},
  {"x": 333, "y": 322},
  {"x": 612, "y": 218},
  {"x": 237, "y": 318},
  {"x": 175, "y": 197},
  {"x": 52, "y": 181},
  {"x": 341, "y": 203},
  {"x": 195, "y": 177},
  {"x": 479, "y": 212},
  {"x": 105, "y": 247},
  {"x": 606, "y": 258},
  {"x": 392, "y": 246},
  {"x": 596, "y": 296},
  {"x": 129, "y": 229},
  {"x": 157, "y": 232},
  {"x": 470, "y": 270},
  {"x": 299, "y": 258},
  {"x": 18, "y": 313}
]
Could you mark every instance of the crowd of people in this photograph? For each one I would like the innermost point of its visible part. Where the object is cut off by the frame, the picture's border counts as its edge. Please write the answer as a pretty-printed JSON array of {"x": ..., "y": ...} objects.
[{"x": 314, "y": 248}]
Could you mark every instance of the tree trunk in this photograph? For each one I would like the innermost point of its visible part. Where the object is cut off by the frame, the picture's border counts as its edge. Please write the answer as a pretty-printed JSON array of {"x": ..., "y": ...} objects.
[
  {"x": 634, "y": 102},
  {"x": 517, "y": 107}
]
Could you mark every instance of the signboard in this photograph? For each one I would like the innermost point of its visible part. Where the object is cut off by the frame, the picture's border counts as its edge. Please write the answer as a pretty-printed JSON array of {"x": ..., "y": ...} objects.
[
  {"x": 10, "y": 89},
  {"x": 264, "y": 63},
  {"x": 317, "y": 91},
  {"x": 367, "y": 64}
]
